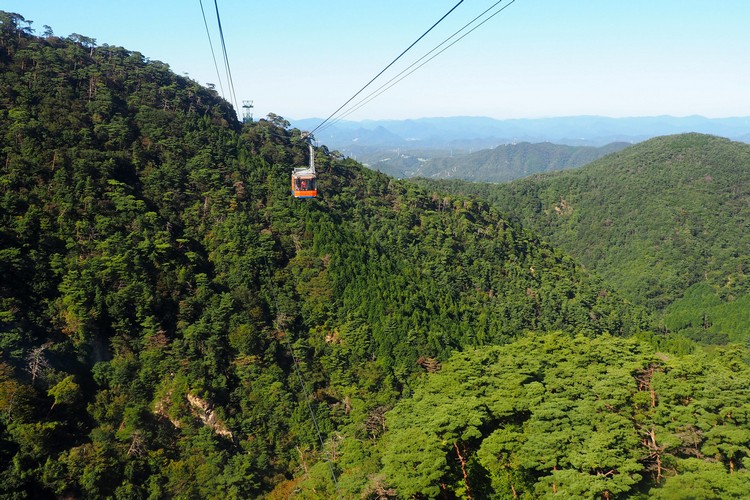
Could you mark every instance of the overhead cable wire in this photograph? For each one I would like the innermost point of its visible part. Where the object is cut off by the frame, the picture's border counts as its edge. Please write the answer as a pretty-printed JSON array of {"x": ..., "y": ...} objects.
[
  {"x": 226, "y": 58},
  {"x": 393, "y": 81},
  {"x": 388, "y": 66},
  {"x": 211, "y": 44},
  {"x": 390, "y": 83}
]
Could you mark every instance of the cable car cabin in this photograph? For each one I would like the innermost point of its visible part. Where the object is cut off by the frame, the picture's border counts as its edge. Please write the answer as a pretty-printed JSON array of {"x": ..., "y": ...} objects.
[
  {"x": 304, "y": 180},
  {"x": 304, "y": 183}
]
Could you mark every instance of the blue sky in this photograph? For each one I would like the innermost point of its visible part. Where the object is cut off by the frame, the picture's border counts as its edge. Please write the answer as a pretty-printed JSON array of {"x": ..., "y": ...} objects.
[{"x": 538, "y": 58}]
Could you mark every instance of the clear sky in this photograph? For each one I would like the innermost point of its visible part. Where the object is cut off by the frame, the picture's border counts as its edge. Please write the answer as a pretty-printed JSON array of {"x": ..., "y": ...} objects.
[{"x": 538, "y": 58}]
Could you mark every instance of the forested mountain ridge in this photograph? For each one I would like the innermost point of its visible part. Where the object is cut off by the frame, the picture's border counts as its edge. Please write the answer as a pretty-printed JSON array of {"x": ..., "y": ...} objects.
[
  {"x": 500, "y": 164},
  {"x": 664, "y": 221},
  {"x": 162, "y": 295},
  {"x": 161, "y": 287}
]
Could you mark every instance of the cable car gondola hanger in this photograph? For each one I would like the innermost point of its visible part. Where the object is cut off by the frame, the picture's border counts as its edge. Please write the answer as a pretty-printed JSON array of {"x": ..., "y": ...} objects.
[{"x": 304, "y": 179}]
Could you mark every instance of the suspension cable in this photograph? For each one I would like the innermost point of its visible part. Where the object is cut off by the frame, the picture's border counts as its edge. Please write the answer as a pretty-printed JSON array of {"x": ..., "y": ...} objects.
[
  {"x": 211, "y": 44},
  {"x": 388, "y": 66},
  {"x": 393, "y": 81},
  {"x": 226, "y": 57}
]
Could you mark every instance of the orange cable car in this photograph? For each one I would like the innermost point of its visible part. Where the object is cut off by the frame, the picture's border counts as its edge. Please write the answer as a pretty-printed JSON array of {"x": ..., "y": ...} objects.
[{"x": 304, "y": 180}]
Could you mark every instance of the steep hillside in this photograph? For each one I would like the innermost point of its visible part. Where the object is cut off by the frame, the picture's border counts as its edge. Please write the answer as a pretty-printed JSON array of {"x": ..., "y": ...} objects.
[
  {"x": 163, "y": 296},
  {"x": 500, "y": 164},
  {"x": 654, "y": 220}
]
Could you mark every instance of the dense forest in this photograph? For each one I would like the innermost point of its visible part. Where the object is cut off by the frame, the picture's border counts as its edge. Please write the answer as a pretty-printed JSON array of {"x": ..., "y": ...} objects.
[
  {"x": 664, "y": 222},
  {"x": 500, "y": 164},
  {"x": 173, "y": 324}
]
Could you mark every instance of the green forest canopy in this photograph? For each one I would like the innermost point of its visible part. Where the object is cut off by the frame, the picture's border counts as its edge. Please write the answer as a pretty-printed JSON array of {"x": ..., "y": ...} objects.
[
  {"x": 663, "y": 221},
  {"x": 558, "y": 416},
  {"x": 161, "y": 289}
]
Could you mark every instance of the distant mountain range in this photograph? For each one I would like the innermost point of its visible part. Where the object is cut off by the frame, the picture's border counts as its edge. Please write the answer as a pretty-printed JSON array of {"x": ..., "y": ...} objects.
[
  {"x": 464, "y": 133},
  {"x": 501, "y": 164},
  {"x": 490, "y": 150}
]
